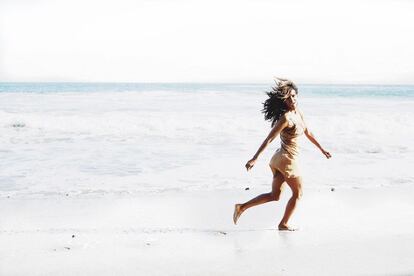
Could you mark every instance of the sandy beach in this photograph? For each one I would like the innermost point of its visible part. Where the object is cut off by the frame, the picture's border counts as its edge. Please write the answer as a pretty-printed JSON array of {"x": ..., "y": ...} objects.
[{"x": 342, "y": 232}]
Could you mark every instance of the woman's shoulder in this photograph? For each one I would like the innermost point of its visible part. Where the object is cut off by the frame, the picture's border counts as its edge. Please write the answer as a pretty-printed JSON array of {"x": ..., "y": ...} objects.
[
  {"x": 292, "y": 114},
  {"x": 287, "y": 117}
]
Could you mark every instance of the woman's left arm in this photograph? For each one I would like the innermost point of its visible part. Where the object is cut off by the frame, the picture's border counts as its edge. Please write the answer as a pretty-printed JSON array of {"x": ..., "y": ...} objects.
[{"x": 312, "y": 138}]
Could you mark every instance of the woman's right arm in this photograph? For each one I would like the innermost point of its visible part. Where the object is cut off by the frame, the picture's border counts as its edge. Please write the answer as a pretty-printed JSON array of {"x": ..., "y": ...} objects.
[{"x": 279, "y": 126}]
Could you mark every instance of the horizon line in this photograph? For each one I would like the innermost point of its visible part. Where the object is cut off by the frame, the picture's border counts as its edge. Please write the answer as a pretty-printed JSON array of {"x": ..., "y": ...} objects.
[{"x": 200, "y": 82}]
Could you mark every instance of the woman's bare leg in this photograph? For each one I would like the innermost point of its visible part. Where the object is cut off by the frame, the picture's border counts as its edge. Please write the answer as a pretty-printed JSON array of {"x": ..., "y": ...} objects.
[
  {"x": 295, "y": 185},
  {"x": 277, "y": 183}
]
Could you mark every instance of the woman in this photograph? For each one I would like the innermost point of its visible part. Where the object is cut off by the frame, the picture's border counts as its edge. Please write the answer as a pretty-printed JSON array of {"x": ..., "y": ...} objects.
[{"x": 287, "y": 120}]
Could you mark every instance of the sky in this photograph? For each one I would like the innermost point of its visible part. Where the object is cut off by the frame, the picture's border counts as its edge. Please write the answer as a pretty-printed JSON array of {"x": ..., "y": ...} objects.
[{"x": 248, "y": 41}]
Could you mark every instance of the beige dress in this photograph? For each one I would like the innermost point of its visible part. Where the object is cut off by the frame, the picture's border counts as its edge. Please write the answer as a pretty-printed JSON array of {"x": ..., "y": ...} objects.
[{"x": 285, "y": 159}]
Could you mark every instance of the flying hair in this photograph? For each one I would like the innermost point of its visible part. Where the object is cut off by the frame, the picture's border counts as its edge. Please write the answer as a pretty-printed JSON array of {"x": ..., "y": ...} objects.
[{"x": 274, "y": 107}]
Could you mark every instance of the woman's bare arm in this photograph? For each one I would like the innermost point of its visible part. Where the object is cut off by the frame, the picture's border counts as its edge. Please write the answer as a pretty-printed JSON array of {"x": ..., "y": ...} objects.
[
  {"x": 279, "y": 126},
  {"x": 312, "y": 138}
]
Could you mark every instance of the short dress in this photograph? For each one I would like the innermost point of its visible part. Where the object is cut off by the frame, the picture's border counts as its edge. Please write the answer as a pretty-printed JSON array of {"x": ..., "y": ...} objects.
[{"x": 286, "y": 158}]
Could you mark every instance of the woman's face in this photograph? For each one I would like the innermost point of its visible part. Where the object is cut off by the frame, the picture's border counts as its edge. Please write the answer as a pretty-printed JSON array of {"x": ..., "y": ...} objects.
[{"x": 291, "y": 101}]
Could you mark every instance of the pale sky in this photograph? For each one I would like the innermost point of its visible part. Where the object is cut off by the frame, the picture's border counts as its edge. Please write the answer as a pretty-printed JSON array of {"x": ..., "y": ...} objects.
[{"x": 320, "y": 41}]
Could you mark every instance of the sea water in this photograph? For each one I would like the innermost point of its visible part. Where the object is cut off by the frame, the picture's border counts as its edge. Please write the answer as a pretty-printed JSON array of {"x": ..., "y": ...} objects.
[{"x": 106, "y": 138}]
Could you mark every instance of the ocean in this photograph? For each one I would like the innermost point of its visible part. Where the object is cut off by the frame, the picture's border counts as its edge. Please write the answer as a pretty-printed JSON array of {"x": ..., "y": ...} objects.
[{"x": 97, "y": 139}]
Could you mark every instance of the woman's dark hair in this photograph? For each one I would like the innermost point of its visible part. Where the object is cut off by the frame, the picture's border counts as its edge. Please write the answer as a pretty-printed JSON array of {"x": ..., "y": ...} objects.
[{"x": 274, "y": 107}]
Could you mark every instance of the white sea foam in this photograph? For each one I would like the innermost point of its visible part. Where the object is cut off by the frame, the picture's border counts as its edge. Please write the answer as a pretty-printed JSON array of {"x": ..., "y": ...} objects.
[{"x": 126, "y": 142}]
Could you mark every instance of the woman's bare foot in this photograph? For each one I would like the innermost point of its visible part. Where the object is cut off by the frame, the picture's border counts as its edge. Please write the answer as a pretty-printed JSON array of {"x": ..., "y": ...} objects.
[
  {"x": 284, "y": 227},
  {"x": 237, "y": 212}
]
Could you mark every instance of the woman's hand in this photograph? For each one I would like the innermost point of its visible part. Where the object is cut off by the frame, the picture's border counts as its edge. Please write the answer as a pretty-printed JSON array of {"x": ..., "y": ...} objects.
[
  {"x": 250, "y": 164},
  {"x": 326, "y": 153}
]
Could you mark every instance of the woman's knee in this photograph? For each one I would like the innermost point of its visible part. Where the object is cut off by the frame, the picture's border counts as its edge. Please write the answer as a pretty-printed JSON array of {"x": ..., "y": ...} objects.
[
  {"x": 296, "y": 187},
  {"x": 275, "y": 195},
  {"x": 297, "y": 194}
]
